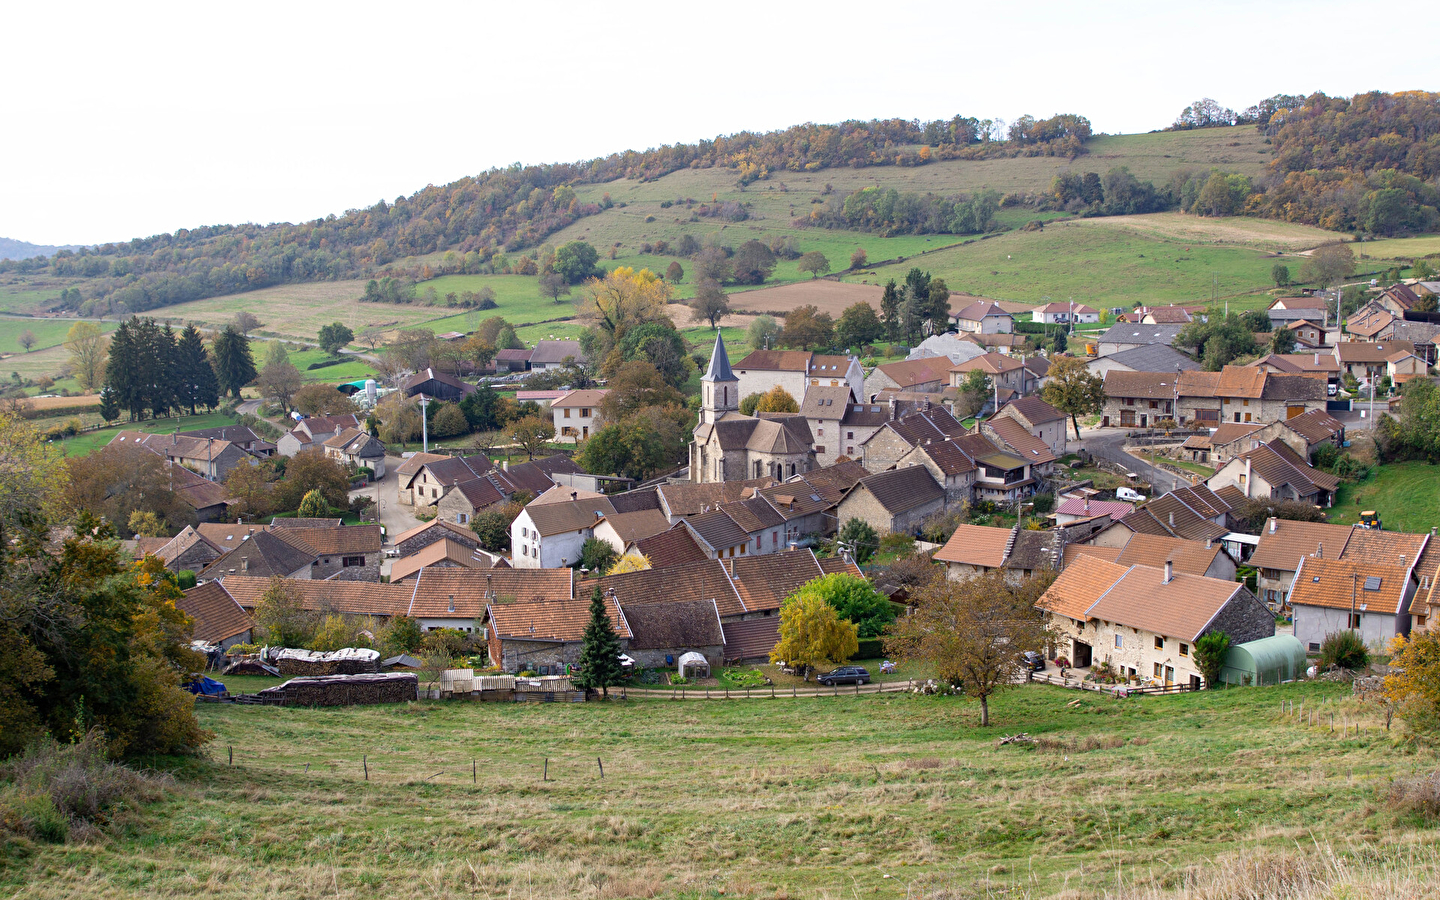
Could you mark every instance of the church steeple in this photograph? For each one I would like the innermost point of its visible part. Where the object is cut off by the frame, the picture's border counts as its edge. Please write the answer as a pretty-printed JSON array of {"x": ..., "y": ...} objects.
[{"x": 719, "y": 387}]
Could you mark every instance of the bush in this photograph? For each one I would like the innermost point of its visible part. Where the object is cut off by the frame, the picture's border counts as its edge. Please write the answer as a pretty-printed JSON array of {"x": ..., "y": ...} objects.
[
  {"x": 597, "y": 555},
  {"x": 1344, "y": 650},
  {"x": 897, "y": 542},
  {"x": 1044, "y": 503},
  {"x": 56, "y": 791},
  {"x": 185, "y": 579},
  {"x": 861, "y": 538},
  {"x": 1419, "y": 794}
]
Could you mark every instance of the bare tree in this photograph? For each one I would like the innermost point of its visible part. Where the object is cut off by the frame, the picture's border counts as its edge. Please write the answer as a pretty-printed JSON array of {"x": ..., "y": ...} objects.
[
  {"x": 371, "y": 337},
  {"x": 246, "y": 322},
  {"x": 710, "y": 303},
  {"x": 26, "y": 339}
]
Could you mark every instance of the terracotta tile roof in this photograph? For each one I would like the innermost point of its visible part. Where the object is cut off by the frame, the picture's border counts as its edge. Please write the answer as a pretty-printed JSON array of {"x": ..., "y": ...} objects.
[
  {"x": 950, "y": 457},
  {"x": 794, "y": 500},
  {"x": 217, "y": 616},
  {"x": 1145, "y": 385},
  {"x": 1278, "y": 464},
  {"x": 412, "y": 465},
  {"x": 992, "y": 363},
  {"x": 1283, "y": 543},
  {"x": 752, "y": 638},
  {"x": 1229, "y": 432},
  {"x": 1074, "y": 551},
  {"x": 483, "y": 492},
  {"x": 901, "y": 490},
  {"x": 1034, "y": 410},
  {"x": 1204, "y": 501},
  {"x": 1241, "y": 381},
  {"x": 170, "y": 550},
  {"x": 1232, "y": 495},
  {"x": 776, "y": 361},
  {"x": 333, "y": 541},
  {"x": 979, "y": 310},
  {"x": 671, "y": 548},
  {"x": 634, "y": 526},
  {"x": 828, "y": 364},
  {"x": 1085, "y": 579},
  {"x": 556, "y": 621},
  {"x": 763, "y": 582},
  {"x": 675, "y": 625},
  {"x": 563, "y": 493},
  {"x": 1195, "y": 383},
  {"x": 1373, "y": 352},
  {"x": 704, "y": 581},
  {"x": 1172, "y": 516},
  {"x": 717, "y": 531},
  {"x": 450, "y": 470},
  {"x": 1329, "y": 583},
  {"x": 1182, "y": 608},
  {"x": 834, "y": 481},
  {"x": 825, "y": 402},
  {"x": 752, "y": 515},
  {"x": 681, "y": 500},
  {"x": 977, "y": 545},
  {"x": 1168, "y": 315},
  {"x": 1024, "y": 444},
  {"x": 1393, "y": 548},
  {"x": 147, "y": 546},
  {"x": 355, "y": 597},
  {"x": 442, "y": 525},
  {"x": 443, "y": 550},
  {"x": 910, "y": 372},
  {"x": 583, "y": 398},
  {"x": 1315, "y": 425},
  {"x": 574, "y": 515},
  {"x": 472, "y": 589},
  {"x": 1076, "y": 506},
  {"x": 934, "y": 424},
  {"x": 833, "y": 565},
  {"x": 1187, "y": 557}
]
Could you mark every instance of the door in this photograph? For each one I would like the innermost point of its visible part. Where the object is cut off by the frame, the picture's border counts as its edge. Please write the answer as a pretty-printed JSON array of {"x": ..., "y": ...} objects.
[
  {"x": 1144, "y": 420},
  {"x": 1127, "y": 418},
  {"x": 1169, "y": 675},
  {"x": 1194, "y": 682},
  {"x": 1081, "y": 654},
  {"x": 1293, "y": 411}
]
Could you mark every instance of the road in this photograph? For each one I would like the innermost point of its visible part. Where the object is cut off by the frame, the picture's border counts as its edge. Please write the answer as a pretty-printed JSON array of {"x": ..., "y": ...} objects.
[
  {"x": 249, "y": 408},
  {"x": 1106, "y": 444},
  {"x": 396, "y": 517}
]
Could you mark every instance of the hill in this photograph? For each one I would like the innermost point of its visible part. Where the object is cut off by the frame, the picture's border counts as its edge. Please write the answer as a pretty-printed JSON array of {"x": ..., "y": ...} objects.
[{"x": 13, "y": 249}]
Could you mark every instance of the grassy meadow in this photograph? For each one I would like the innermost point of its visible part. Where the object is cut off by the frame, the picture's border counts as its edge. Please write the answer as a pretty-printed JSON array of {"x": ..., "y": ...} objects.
[
  {"x": 1405, "y": 494},
  {"x": 90, "y": 441},
  {"x": 877, "y": 796},
  {"x": 48, "y": 332}
]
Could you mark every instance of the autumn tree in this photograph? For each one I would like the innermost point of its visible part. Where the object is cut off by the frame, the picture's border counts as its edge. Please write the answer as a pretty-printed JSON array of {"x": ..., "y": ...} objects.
[
  {"x": 554, "y": 286},
  {"x": 812, "y": 633},
  {"x": 144, "y": 523},
  {"x": 313, "y": 505},
  {"x": 87, "y": 347},
  {"x": 312, "y": 470},
  {"x": 321, "y": 399},
  {"x": 630, "y": 562},
  {"x": 249, "y": 488},
  {"x": 620, "y": 301},
  {"x": 710, "y": 304},
  {"x": 641, "y": 445},
  {"x": 807, "y": 328},
  {"x": 858, "y": 326},
  {"x": 974, "y": 633},
  {"x": 280, "y": 615},
  {"x": 532, "y": 433},
  {"x": 762, "y": 332},
  {"x": 635, "y": 386},
  {"x": 245, "y": 322},
  {"x": 372, "y": 336},
  {"x": 776, "y": 400},
  {"x": 1073, "y": 389},
  {"x": 335, "y": 337},
  {"x": 1328, "y": 265},
  {"x": 1282, "y": 341},
  {"x": 117, "y": 480},
  {"x": 674, "y": 273},
  {"x": 858, "y": 259},
  {"x": 399, "y": 418},
  {"x": 279, "y": 382},
  {"x": 815, "y": 263},
  {"x": 855, "y": 600},
  {"x": 1413, "y": 684},
  {"x": 753, "y": 262},
  {"x": 26, "y": 339},
  {"x": 713, "y": 264}
]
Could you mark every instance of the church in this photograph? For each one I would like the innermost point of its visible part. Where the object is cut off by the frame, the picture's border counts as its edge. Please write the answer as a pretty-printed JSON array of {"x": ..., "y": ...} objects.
[{"x": 729, "y": 446}]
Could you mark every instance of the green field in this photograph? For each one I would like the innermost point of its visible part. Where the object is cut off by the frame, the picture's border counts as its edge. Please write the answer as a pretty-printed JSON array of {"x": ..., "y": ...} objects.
[
  {"x": 1400, "y": 248},
  {"x": 48, "y": 332},
  {"x": 886, "y": 796},
  {"x": 352, "y": 369},
  {"x": 90, "y": 441},
  {"x": 1405, "y": 494}
]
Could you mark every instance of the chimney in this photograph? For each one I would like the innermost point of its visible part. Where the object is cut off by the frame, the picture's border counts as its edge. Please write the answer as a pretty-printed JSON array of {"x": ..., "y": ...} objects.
[
  {"x": 1209, "y": 543},
  {"x": 1169, "y": 571},
  {"x": 1087, "y": 504},
  {"x": 1172, "y": 520},
  {"x": 505, "y": 465},
  {"x": 1247, "y": 481},
  {"x": 452, "y": 602},
  {"x": 1320, "y": 549},
  {"x": 1272, "y": 526},
  {"x": 1317, "y": 359},
  {"x": 892, "y": 408},
  {"x": 574, "y": 495}
]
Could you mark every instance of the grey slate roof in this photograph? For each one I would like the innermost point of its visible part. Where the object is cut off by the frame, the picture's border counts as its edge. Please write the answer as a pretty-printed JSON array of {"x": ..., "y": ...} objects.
[
  {"x": 1132, "y": 333},
  {"x": 1154, "y": 358},
  {"x": 719, "y": 369},
  {"x": 900, "y": 490}
]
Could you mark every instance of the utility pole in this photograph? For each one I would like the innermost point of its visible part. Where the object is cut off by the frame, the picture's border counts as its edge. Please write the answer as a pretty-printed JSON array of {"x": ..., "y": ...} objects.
[{"x": 424, "y": 426}]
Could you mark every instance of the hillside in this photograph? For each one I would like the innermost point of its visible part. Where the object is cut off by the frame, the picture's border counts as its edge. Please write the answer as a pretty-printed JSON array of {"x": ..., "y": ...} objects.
[{"x": 13, "y": 249}]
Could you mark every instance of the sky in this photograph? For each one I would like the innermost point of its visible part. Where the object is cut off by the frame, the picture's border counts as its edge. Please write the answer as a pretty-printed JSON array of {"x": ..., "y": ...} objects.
[{"x": 127, "y": 120}]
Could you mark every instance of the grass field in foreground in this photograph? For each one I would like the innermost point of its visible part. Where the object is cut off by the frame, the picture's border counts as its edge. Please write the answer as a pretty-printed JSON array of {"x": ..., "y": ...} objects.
[
  {"x": 1405, "y": 494},
  {"x": 885, "y": 796},
  {"x": 90, "y": 441}
]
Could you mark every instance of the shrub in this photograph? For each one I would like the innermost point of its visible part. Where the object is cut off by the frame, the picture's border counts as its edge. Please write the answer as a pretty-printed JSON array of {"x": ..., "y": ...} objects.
[
  {"x": 597, "y": 555},
  {"x": 56, "y": 791},
  {"x": 1344, "y": 650},
  {"x": 897, "y": 542},
  {"x": 185, "y": 579},
  {"x": 1419, "y": 794},
  {"x": 861, "y": 539}
]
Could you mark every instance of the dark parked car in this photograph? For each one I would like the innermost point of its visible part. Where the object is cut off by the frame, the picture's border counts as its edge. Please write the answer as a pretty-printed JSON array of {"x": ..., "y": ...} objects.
[
  {"x": 1035, "y": 661},
  {"x": 846, "y": 675}
]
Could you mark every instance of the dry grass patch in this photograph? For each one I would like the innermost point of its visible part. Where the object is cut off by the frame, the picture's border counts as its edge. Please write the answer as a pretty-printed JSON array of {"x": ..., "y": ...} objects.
[{"x": 827, "y": 296}]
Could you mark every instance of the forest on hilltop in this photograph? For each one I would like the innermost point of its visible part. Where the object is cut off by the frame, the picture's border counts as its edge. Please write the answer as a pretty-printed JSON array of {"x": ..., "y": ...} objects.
[{"x": 1370, "y": 163}]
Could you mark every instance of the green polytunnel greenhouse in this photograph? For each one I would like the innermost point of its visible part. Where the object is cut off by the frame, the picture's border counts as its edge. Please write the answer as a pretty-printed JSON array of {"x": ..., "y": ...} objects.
[{"x": 1269, "y": 660}]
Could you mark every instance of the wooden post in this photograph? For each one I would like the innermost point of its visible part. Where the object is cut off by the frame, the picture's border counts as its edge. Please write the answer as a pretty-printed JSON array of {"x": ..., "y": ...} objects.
[
  {"x": 472, "y": 772},
  {"x": 232, "y": 755},
  {"x": 792, "y": 691},
  {"x": 546, "y": 775},
  {"x": 602, "y": 768},
  {"x": 365, "y": 761},
  {"x": 772, "y": 690}
]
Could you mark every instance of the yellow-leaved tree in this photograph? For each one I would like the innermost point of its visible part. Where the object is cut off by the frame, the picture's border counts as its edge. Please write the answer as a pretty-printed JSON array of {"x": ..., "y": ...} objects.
[
  {"x": 1413, "y": 686},
  {"x": 630, "y": 562},
  {"x": 777, "y": 400},
  {"x": 620, "y": 301},
  {"x": 811, "y": 633}
]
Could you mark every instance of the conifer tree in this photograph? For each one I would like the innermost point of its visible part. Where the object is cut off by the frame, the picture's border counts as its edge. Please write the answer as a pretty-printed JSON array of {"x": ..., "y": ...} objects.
[
  {"x": 890, "y": 310},
  {"x": 234, "y": 366},
  {"x": 109, "y": 409},
  {"x": 121, "y": 373},
  {"x": 313, "y": 505},
  {"x": 599, "y": 650},
  {"x": 194, "y": 377}
]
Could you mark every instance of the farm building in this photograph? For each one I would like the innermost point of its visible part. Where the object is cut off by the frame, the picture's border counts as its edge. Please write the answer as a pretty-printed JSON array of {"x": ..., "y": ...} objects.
[{"x": 1271, "y": 660}]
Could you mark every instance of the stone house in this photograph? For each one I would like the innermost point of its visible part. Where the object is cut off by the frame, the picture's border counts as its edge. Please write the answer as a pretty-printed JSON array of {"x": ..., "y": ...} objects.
[
  {"x": 901, "y": 434},
  {"x": 444, "y": 554},
  {"x": 1208, "y": 558},
  {"x": 437, "y": 386},
  {"x": 1040, "y": 419},
  {"x": 926, "y": 375},
  {"x": 1144, "y": 621},
  {"x": 1304, "y": 434},
  {"x": 1368, "y": 359},
  {"x": 1274, "y": 471},
  {"x": 549, "y": 355},
  {"x": 211, "y": 459},
  {"x": 459, "y": 597},
  {"x": 355, "y": 447},
  {"x": 797, "y": 371},
  {"x": 347, "y": 553},
  {"x": 1286, "y": 310},
  {"x": 239, "y": 435},
  {"x": 262, "y": 554},
  {"x": 1148, "y": 358},
  {"x": 950, "y": 465},
  {"x": 1283, "y": 543},
  {"x": 1138, "y": 399},
  {"x": 219, "y": 619},
  {"x": 1334, "y": 595},
  {"x": 427, "y": 482},
  {"x": 310, "y": 432},
  {"x": 839, "y": 425},
  {"x": 1248, "y": 394},
  {"x": 188, "y": 550},
  {"x": 438, "y": 529},
  {"x": 1005, "y": 372},
  {"x": 984, "y": 317},
  {"x": 1010, "y": 436},
  {"x": 896, "y": 501},
  {"x": 1318, "y": 364},
  {"x": 544, "y": 635},
  {"x": 662, "y": 632},
  {"x": 551, "y": 535},
  {"x": 576, "y": 415},
  {"x": 621, "y": 529}
]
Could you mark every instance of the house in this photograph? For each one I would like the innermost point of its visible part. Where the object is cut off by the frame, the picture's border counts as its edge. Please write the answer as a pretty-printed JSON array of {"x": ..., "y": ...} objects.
[
  {"x": 188, "y": 550},
  {"x": 621, "y": 529},
  {"x": 838, "y": 424},
  {"x": 462, "y": 501},
  {"x": 681, "y": 500},
  {"x": 1247, "y": 394},
  {"x": 1193, "y": 513},
  {"x": 974, "y": 550},
  {"x": 902, "y": 433},
  {"x": 896, "y": 501},
  {"x": 1066, "y": 314},
  {"x": 345, "y": 553},
  {"x": 1143, "y": 621},
  {"x": 459, "y": 597},
  {"x": 1221, "y": 444},
  {"x": 1364, "y": 596},
  {"x": 984, "y": 317},
  {"x": 1005, "y": 372},
  {"x": 1367, "y": 359},
  {"x": 428, "y": 481},
  {"x": 549, "y": 355},
  {"x": 209, "y": 458},
  {"x": 1040, "y": 419},
  {"x": 662, "y": 632},
  {"x": 206, "y": 498},
  {"x": 516, "y": 360},
  {"x": 444, "y": 553},
  {"x": 1208, "y": 558},
  {"x": 1283, "y": 543},
  {"x": 1138, "y": 399},
  {"x": 219, "y": 619},
  {"x": 239, "y": 435},
  {"x": 1320, "y": 364},
  {"x": 955, "y": 347},
  {"x": 262, "y": 554},
  {"x": 1166, "y": 315},
  {"x": 1312, "y": 335},
  {"x": 1286, "y": 310},
  {"x": 551, "y": 535},
  {"x": 1397, "y": 299},
  {"x": 421, "y": 536},
  {"x": 355, "y": 447},
  {"x": 1274, "y": 471},
  {"x": 1128, "y": 336},
  {"x": 1009, "y": 344},
  {"x": 1075, "y": 509},
  {"x": 1148, "y": 358},
  {"x": 1402, "y": 365},
  {"x": 797, "y": 371},
  {"x": 729, "y": 446},
  {"x": 668, "y": 548},
  {"x": 1012, "y": 437},
  {"x": 543, "y": 635},
  {"x": 929, "y": 375},
  {"x": 1304, "y": 434},
  {"x": 738, "y": 529},
  {"x": 311, "y": 432},
  {"x": 405, "y": 473},
  {"x": 436, "y": 385},
  {"x": 576, "y": 415},
  {"x": 950, "y": 464}
]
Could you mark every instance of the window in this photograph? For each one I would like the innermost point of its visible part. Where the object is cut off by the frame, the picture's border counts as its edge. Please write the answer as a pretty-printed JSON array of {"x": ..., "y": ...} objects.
[
  {"x": 850, "y": 451},
  {"x": 1157, "y": 670},
  {"x": 1242, "y": 477},
  {"x": 1245, "y": 403},
  {"x": 1247, "y": 417},
  {"x": 1314, "y": 646},
  {"x": 1154, "y": 404},
  {"x": 1129, "y": 401},
  {"x": 849, "y": 435},
  {"x": 1237, "y": 417},
  {"x": 567, "y": 412},
  {"x": 1184, "y": 649},
  {"x": 524, "y": 549},
  {"x": 820, "y": 432},
  {"x": 1119, "y": 643},
  {"x": 349, "y": 561},
  {"x": 584, "y": 412},
  {"x": 1355, "y": 621},
  {"x": 462, "y": 518},
  {"x": 1159, "y": 644},
  {"x": 819, "y": 448}
]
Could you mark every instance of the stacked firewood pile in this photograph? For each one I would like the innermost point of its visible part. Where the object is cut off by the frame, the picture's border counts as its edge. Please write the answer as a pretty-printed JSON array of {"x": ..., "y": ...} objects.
[
  {"x": 350, "y": 661},
  {"x": 345, "y": 690}
]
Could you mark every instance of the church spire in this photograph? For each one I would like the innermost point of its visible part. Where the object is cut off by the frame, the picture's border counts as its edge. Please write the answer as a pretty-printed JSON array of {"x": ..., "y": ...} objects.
[{"x": 719, "y": 369}]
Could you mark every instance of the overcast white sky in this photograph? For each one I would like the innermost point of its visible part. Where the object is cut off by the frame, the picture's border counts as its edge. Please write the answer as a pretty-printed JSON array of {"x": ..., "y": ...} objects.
[{"x": 125, "y": 120}]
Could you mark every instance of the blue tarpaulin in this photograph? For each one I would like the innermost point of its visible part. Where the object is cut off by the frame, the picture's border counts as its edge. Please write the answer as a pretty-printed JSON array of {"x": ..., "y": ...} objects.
[{"x": 206, "y": 686}]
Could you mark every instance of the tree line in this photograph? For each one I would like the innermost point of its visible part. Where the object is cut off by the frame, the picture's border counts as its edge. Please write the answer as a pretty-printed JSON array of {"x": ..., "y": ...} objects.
[{"x": 152, "y": 372}]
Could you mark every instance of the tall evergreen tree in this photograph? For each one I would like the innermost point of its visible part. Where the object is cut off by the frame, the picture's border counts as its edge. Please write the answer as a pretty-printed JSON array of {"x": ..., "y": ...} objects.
[
  {"x": 109, "y": 409},
  {"x": 890, "y": 311},
  {"x": 599, "y": 650},
  {"x": 194, "y": 377},
  {"x": 158, "y": 363},
  {"x": 234, "y": 366},
  {"x": 122, "y": 374}
]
